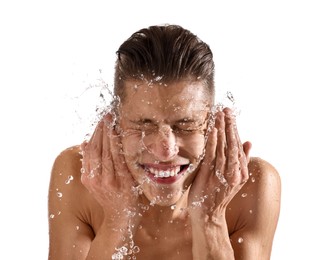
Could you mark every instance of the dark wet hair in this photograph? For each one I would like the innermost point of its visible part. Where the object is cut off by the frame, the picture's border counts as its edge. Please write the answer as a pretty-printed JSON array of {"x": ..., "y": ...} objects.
[{"x": 165, "y": 53}]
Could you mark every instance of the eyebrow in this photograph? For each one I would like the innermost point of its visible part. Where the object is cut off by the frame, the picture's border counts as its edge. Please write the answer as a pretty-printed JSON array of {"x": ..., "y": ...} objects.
[
  {"x": 151, "y": 121},
  {"x": 142, "y": 121}
]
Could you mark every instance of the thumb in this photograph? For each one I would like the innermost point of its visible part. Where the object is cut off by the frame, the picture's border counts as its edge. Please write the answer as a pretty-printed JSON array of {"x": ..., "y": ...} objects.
[{"x": 246, "y": 148}]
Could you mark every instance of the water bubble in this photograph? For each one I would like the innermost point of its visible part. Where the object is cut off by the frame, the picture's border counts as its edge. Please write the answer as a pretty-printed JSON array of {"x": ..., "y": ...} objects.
[
  {"x": 190, "y": 168},
  {"x": 138, "y": 190},
  {"x": 217, "y": 189},
  {"x": 199, "y": 202},
  {"x": 130, "y": 213},
  {"x": 136, "y": 249},
  {"x": 69, "y": 179},
  {"x": 117, "y": 256}
]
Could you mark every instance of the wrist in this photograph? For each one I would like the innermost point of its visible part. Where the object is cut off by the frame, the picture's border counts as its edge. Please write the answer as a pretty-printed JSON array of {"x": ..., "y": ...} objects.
[{"x": 211, "y": 238}]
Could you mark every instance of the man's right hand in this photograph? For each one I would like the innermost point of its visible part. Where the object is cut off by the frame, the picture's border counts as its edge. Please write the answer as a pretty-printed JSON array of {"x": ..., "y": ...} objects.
[{"x": 106, "y": 175}]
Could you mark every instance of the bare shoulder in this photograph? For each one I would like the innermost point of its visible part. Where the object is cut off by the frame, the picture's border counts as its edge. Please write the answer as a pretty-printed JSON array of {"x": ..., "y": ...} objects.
[
  {"x": 65, "y": 180},
  {"x": 263, "y": 172},
  {"x": 68, "y": 160},
  {"x": 68, "y": 197},
  {"x": 255, "y": 211},
  {"x": 71, "y": 208},
  {"x": 262, "y": 190},
  {"x": 65, "y": 172}
]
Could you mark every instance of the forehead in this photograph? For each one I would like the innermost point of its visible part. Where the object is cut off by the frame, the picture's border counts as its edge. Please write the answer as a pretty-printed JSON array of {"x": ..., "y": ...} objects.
[{"x": 182, "y": 96}]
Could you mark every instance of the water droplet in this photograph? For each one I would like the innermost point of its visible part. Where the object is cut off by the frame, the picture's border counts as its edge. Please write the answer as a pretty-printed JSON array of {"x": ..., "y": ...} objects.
[
  {"x": 136, "y": 249},
  {"x": 253, "y": 179},
  {"x": 196, "y": 203},
  {"x": 77, "y": 227},
  {"x": 52, "y": 216},
  {"x": 59, "y": 194},
  {"x": 250, "y": 211},
  {"x": 69, "y": 179},
  {"x": 173, "y": 207},
  {"x": 240, "y": 240},
  {"x": 243, "y": 195},
  {"x": 217, "y": 189}
]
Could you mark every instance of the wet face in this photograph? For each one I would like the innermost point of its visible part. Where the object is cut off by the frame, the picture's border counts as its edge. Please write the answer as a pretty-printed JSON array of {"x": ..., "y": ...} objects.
[{"x": 163, "y": 131}]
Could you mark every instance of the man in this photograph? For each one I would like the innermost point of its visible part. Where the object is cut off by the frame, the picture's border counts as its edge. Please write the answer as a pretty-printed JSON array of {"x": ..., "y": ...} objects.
[{"x": 165, "y": 175}]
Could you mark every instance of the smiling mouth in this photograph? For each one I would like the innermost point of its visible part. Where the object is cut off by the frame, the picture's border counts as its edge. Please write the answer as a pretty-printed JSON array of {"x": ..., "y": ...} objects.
[
  {"x": 166, "y": 173},
  {"x": 159, "y": 173}
]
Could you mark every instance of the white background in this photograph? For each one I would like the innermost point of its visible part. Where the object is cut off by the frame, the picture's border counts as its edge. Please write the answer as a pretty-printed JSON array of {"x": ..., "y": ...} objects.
[{"x": 270, "y": 54}]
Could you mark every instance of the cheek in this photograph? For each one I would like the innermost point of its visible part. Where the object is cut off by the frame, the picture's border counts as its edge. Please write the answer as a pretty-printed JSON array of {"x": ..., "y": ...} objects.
[
  {"x": 192, "y": 145},
  {"x": 131, "y": 145}
]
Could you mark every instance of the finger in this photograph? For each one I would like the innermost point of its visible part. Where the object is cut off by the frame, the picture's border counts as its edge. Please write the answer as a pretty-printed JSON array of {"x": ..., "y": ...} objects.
[
  {"x": 107, "y": 164},
  {"x": 83, "y": 146},
  {"x": 120, "y": 168},
  {"x": 244, "y": 160},
  {"x": 220, "y": 166},
  {"x": 243, "y": 154},
  {"x": 247, "y": 148},
  {"x": 93, "y": 152},
  {"x": 233, "y": 164},
  {"x": 221, "y": 142},
  {"x": 208, "y": 163}
]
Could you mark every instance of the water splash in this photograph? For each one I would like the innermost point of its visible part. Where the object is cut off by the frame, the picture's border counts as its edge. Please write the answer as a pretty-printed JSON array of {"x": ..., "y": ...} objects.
[
  {"x": 129, "y": 249},
  {"x": 221, "y": 178},
  {"x": 199, "y": 202},
  {"x": 101, "y": 97},
  {"x": 228, "y": 100}
]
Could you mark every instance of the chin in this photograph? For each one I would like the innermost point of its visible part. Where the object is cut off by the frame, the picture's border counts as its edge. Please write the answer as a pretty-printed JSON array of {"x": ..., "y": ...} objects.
[{"x": 163, "y": 197}]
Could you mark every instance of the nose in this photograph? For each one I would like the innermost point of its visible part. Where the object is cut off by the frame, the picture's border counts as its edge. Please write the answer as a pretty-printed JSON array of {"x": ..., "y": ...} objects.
[{"x": 163, "y": 145}]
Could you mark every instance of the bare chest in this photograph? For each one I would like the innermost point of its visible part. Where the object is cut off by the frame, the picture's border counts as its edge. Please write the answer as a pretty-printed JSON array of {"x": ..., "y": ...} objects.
[{"x": 172, "y": 242}]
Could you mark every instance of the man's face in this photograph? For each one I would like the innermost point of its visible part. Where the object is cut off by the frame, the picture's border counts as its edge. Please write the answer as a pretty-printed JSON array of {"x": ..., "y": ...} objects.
[{"x": 163, "y": 131}]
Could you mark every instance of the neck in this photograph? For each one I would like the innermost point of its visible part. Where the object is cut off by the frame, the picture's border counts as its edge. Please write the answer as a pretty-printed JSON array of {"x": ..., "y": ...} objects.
[{"x": 159, "y": 215}]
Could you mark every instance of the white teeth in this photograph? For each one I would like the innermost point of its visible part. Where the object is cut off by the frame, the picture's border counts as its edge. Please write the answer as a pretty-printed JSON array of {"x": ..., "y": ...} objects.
[{"x": 164, "y": 174}]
